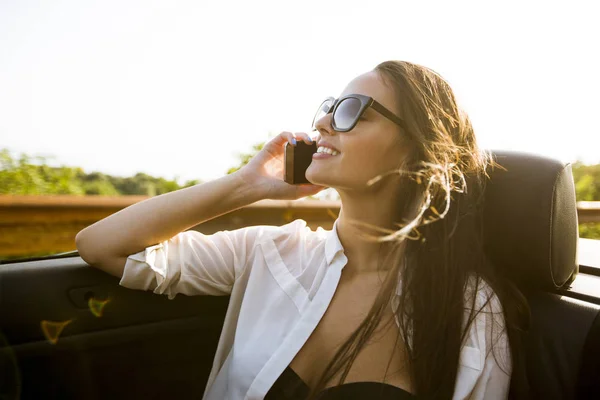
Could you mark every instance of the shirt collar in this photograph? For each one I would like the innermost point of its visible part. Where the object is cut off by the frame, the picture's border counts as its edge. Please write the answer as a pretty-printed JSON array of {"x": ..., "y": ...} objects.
[{"x": 332, "y": 243}]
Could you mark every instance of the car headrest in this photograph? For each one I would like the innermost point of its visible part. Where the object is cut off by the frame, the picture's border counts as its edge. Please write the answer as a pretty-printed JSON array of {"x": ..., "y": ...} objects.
[{"x": 530, "y": 220}]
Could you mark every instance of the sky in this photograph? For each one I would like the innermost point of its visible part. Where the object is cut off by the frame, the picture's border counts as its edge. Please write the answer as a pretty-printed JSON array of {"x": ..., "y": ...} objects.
[{"x": 177, "y": 88}]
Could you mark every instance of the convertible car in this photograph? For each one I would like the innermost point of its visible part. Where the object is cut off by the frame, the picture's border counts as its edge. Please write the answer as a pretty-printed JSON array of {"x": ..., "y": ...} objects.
[{"x": 69, "y": 331}]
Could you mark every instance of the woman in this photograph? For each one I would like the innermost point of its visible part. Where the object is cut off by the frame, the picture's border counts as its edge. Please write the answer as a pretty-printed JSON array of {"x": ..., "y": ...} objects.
[{"x": 414, "y": 311}]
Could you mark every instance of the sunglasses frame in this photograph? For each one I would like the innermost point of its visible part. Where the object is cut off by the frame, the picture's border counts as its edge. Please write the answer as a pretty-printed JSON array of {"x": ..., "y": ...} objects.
[{"x": 365, "y": 102}]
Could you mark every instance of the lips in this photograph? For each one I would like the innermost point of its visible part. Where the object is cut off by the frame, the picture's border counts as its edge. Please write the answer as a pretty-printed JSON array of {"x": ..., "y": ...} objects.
[{"x": 327, "y": 144}]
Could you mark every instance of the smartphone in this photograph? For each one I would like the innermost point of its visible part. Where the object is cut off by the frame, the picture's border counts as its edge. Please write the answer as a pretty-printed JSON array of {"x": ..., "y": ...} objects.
[{"x": 296, "y": 160}]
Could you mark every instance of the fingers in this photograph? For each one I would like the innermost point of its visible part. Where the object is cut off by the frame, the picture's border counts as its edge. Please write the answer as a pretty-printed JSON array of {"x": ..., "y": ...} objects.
[
  {"x": 289, "y": 137},
  {"x": 283, "y": 137},
  {"x": 304, "y": 136}
]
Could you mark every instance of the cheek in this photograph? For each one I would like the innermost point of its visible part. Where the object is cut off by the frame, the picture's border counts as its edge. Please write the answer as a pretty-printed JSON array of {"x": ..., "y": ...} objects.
[
  {"x": 370, "y": 153},
  {"x": 371, "y": 159},
  {"x": 364, "y": 159},
  {"x": 392, "y": 158}
]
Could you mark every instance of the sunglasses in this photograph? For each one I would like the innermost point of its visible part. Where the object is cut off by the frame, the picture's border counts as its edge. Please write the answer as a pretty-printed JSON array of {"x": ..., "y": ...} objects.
[{"x": 348, "y": 109}]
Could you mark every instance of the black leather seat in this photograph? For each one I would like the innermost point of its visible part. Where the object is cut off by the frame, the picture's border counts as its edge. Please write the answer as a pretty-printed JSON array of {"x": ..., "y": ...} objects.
[{"x": 531, "y": 234}]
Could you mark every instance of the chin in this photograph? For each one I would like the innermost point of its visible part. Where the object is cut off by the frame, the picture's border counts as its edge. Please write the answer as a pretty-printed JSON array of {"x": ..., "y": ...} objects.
[
  {"x": 319, "y": 182},
  {"x": 313, "y": 177}
]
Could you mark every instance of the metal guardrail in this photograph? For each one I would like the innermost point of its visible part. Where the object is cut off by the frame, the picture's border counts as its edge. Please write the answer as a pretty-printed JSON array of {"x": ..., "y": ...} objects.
[
  {"x": 37, "y": 225},
  {"x": 588, "y": 211},
  {"x": 32, "y": 225}
]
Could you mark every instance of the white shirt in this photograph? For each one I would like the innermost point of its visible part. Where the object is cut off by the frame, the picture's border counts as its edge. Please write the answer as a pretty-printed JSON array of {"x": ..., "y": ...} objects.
[{"x": 281, "y": 280}]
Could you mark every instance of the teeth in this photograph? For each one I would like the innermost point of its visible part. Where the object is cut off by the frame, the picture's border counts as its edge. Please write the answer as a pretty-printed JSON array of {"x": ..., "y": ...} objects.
[{"x": 327, "y": 151}]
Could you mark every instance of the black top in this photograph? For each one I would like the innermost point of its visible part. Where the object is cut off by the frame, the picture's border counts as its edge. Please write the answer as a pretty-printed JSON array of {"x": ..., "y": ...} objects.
[{"x": 289, "y": 386}]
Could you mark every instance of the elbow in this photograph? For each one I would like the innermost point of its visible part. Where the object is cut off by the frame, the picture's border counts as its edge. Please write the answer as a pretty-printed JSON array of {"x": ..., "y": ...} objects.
[
  {"x": 90, "y": 253},
  {"x": 83, "y": 249}
]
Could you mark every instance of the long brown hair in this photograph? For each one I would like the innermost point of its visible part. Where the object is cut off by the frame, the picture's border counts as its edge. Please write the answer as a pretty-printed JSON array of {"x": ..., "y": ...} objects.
[{"x": 443, "y": 179}]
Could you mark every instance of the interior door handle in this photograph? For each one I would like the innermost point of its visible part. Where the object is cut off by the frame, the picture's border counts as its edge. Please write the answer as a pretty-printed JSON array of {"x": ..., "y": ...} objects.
[{"x": 92, "y": 297}]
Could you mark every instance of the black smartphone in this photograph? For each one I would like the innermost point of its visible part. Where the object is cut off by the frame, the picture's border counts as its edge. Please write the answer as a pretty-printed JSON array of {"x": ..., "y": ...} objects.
[{"x": 296, "y": 160}]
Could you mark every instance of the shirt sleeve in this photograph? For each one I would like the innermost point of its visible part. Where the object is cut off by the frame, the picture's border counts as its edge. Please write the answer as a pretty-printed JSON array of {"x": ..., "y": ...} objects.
[
  {"x": 192, "y": 263},
  {"x": 488, "y": 374}
]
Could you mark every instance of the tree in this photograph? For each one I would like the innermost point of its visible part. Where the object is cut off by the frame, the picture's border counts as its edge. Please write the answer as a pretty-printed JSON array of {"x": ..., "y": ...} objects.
[
  {"x": 246, "y": 157},
  {"x": 23, "y": 176},
  {"x": 587, "y": 188},
  {"x": 587, "y": 181},
  {"x": 27, "y": 175}
]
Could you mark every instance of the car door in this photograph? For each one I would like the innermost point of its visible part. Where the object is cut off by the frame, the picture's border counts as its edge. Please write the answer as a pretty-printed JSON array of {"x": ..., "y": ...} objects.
[{"x": 70, "y": 331}]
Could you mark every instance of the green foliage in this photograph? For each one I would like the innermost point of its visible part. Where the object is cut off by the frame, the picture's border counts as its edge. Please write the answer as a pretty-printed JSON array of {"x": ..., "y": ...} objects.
[
  {"x": 587, "y": 181},
  {"x": 246, "y": 157},
  {"x": 22, "y": 176},
  {"x": 33, "y": 176},
  {"x": 587, "y": 188},
  {"x": 589, "y": 230}
]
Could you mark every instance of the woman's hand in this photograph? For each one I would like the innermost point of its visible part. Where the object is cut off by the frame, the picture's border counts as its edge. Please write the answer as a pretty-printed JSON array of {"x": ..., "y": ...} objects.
[{"x": 266, "y": 170}]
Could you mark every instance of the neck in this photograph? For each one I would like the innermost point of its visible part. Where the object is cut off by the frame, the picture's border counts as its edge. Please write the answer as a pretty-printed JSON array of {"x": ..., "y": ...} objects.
[{"x": 364, "y": 255}]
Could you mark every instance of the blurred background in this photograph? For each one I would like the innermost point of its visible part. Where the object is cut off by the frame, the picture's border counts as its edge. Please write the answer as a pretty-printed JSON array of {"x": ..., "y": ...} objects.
[{"x": 106, "y": 99}]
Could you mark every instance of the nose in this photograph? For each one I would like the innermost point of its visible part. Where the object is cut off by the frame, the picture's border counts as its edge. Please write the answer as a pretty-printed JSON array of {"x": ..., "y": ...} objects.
[{"x": 323, "y": 124}]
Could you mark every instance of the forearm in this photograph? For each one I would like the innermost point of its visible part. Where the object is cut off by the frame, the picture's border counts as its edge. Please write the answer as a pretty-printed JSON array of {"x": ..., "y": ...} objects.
[{"x": 159, "y": 218}]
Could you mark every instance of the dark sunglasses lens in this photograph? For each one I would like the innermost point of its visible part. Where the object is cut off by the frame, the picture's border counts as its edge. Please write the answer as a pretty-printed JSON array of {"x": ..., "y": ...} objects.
[
  {"x": 322, "y": 111},
  {"x": 346, "y": 113}
]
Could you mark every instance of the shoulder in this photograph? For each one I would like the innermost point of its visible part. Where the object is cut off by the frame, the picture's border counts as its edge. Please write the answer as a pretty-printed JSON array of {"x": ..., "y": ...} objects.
[
  {"x": 484, "y": 316},
  {"x": 293, "y": 246},
  {"x": 480, "y": 295},
  {"x": 482, "y": 303},
  {"x": 485, "y": 356},
  {"x": 295, "y": 235},
  {"x": 258, "y": 233},
  {"x": 294, "y": 232}
]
